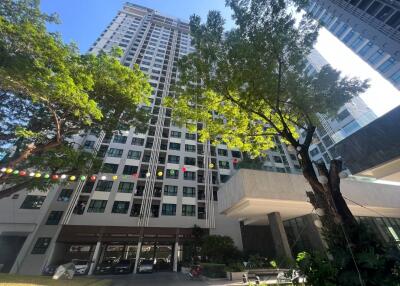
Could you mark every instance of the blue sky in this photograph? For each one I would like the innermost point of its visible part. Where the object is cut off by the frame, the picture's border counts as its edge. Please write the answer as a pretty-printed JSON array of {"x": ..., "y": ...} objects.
[{"x": 83, "y": 20}]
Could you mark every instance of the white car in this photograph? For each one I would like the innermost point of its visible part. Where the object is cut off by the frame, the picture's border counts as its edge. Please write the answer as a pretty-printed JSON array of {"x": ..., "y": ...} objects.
[{"x": 81, "y": 266}]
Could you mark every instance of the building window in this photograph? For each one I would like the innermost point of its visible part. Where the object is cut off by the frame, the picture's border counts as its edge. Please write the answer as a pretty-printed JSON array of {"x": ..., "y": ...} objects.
[
  {"x": 376, "y": 57},
  {"x": 189, "y": 192},
  {"x": 396, "y": 77},
  {"x": 54, "y": 217},
  {"x": 172, "y": 174},
  {"x": 170, "y": 190},
  {"x": 169, "y": 209},
  {"x": 113, "y": 152},
  {"x": 190, "y": 161},
  {"x": 120, "y": 207},
  {"x": 190, "y": 148},
  {"x": 314, "y": 152},
  {"x": 357, "y": 43},
  {"x": 189, "y": 175},
  {"x": 65, "y": 195},
  {"x": 385, "y": 66},
  {"x": 222, "y": 152},
  {"x": 41, "y": 245},
  {"x": 88, "y": 187},
  {"x": 190, "y": 136},
  {"x": 348, "y": 36},
  {"x": 343, "y": 115},
  {"x": 278, "y": 159},
  {"x": 364, "y": 50},
  {"x": 188, "y": 210},
  {"x": 176, "y": 134},
  {"x": 97, "y": 206},
  {"x": 173, "y": 159},
  {"x": 224, "y": 164},
  {"x": 130, "y": 170},
  {"x": 327, "y": 141},
  {"x": 137, "y": 141},
  {"x": 109, "y": 168},
  {"x": 126, "y": 187},
  {"x": 88, "y": 144},
  {"x": 342, "y": 29},
  {"x": 33, "y": 202},
  {"x": 119, "y": 139},
  {"x": 134, "y": 154},
  {"x": 104, "y": 186},
  {"x": 235, "y": 154},
  {"x": 174, "y": 146}
]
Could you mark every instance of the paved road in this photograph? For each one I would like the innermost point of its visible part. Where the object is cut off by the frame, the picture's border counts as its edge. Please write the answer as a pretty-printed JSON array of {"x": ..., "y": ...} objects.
[{"x": 160, "y": 278}]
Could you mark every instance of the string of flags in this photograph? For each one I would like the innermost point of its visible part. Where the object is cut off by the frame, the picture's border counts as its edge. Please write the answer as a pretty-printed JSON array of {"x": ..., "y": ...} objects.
[{"x": 92, "y": 178}]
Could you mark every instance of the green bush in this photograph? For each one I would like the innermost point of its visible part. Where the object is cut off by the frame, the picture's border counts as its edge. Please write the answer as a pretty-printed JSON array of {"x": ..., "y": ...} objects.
[
  {"x": 213, "y": 270},
  {"x": 235, "y": 267}
]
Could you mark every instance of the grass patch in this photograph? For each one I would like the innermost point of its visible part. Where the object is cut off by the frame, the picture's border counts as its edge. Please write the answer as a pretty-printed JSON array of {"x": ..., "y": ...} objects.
[{"x": 26, "y": 280}]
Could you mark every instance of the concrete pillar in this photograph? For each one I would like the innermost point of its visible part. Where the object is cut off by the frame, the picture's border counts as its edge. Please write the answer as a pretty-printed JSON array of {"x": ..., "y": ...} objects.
[
  {"x": 139, "y": 248},
  {"x": 176, "y": 249},
  {"x": 279, "y": 238},
  {"x": 95, "y": 258}
]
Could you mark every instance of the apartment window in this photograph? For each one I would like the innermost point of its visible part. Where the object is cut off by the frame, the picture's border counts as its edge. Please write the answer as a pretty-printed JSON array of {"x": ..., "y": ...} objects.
[
  {"x": 89, "y": 144},
  {"x": 357, "y": 43},
  {"x": 394, "y": 21},
  {"x": 41, "y": 245},
  {"x": 222, "y": 152},
  {"x": 134, "y": 154},
  {"x": 172, "y": 174},
  {"x": 327, "y": 141},
  {"x": 54, "y": 217},
  {"x": 188, "y": 210},
  {"x": 170, "y": 190},
  {"x": 119, "y": 139},
  {"x": 376, "y": 57},
  {"x": 102, "y": 151},
  {"x": 314, "y": 152},
  {"x": 190, "y": 161},
  {"x": 224, "y": 164},
  {"x": 190, "y": 148},
  {"x": 348, "y": 36},
  {"x": 189, "y": 175},
  {"x": 169, "y": 209},
  {"x": 129, "y": 170},
  {"x": 65, "y": 195},
  {"x": 120, "y": 207},
  {"x": 33, "y": 202},
  {"x": 364, "y": 50},
  {"x": 109, "y": 168},
  {"x": 385, "y": 66},
  {"x": 113, "y": 152},
  {"x": 174, "y": 146},
  {"x": 97, "y": 206},
  {"x": 88, "y": 187},
  {"x": 235, "y": 154},
  {"x": 126, "y": 187},
  {"x": 137, "y": 141},
  {"x": 278, "y": 159},
  {"x": 396, "y": 77},
  {"x": 343, "y": 115},
  {"x": 189, "y": 192},
  {"x": 190, "y": 136},
  {"x": 176, "y": 134},
  {"x": 173, "y": 159},
  {"x": 104, "y": 186}
]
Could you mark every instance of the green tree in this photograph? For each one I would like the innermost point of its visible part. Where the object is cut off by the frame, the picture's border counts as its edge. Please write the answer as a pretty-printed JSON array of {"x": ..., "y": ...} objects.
[
  {"x": 220, "y": 249},
  {"x": 51, "y": 92},
  {"x": 248, "y": 85}
]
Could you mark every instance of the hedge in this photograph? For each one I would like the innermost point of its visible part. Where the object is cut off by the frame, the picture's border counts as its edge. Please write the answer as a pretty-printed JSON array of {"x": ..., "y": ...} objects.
[{"x": 214, "y": 270}]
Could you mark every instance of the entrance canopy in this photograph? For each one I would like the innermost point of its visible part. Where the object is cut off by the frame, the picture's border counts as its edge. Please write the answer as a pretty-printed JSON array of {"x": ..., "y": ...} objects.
[{"x": 251, "y": 194}]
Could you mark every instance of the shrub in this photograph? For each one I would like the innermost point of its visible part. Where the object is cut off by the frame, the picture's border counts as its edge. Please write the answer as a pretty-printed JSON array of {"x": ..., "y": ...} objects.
[{"x": 213, "y": 270}]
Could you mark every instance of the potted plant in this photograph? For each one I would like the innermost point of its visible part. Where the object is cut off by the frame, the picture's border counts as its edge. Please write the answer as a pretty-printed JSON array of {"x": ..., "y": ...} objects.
[{"x": 235, "y": 271}]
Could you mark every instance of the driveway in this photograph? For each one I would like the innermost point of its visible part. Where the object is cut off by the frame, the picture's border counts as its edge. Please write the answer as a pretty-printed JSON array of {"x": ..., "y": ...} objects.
[{"x": 160, "y": 278}]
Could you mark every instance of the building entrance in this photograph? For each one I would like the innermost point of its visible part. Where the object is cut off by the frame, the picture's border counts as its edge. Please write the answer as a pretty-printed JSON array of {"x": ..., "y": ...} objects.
[{"x": 160, "y": 253}]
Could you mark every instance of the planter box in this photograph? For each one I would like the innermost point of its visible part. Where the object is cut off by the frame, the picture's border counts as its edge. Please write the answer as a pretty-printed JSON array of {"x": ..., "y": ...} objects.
[{"x": 234, "y": 276}]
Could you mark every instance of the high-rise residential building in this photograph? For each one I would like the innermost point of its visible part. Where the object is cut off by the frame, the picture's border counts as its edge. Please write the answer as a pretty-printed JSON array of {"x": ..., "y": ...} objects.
[
  {"x": 153, "y": 188},
  {"x": 371, "y": 28}
]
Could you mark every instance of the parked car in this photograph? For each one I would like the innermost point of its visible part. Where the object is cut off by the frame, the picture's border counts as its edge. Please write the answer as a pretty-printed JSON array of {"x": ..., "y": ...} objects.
[
  {"x": 123, "y": 266},
  {"x": 106, "y": 267},
  {"x": 81, "y": 266},
  {"x": 49, "y": 270},
  {"x": 146, "y": 266}
]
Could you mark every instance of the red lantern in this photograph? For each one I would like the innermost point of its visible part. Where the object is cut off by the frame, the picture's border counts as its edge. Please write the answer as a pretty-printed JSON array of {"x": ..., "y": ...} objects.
[
  {"x": 54, "y": 177},
  {"x": 22, "y": 173},
  {"x": 93, "y": 178},
  {"x": 235, "y": 160},
  {"x": 184, "y": 169},
  {"x": 135, "y": 175}
]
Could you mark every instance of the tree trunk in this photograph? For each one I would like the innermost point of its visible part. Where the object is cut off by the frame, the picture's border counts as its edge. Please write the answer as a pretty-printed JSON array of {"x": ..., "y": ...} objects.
[{"x": 14, "y": 189}]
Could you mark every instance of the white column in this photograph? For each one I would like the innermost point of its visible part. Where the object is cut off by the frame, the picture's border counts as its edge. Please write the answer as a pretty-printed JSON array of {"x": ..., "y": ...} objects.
[
  {"x": 95, "y": 258},
  {"x": 176, "y": 249},
  {"x": 139, "y": 246}
]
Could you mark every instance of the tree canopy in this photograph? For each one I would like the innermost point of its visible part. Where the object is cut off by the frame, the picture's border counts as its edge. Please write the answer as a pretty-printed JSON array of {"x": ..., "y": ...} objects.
[{"x": 51, "y": 92}]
